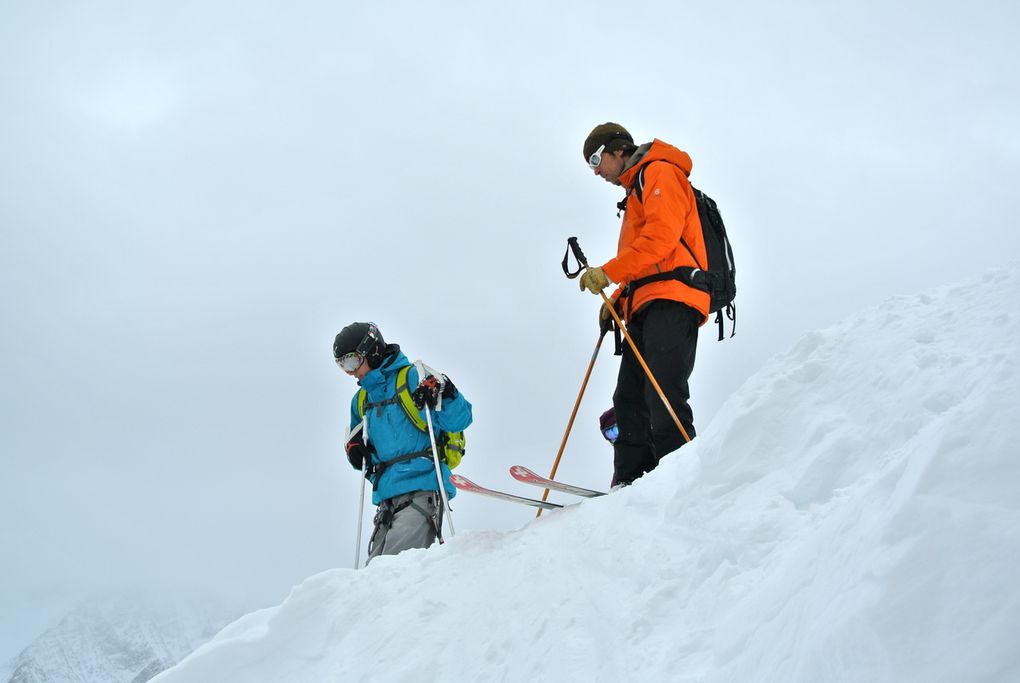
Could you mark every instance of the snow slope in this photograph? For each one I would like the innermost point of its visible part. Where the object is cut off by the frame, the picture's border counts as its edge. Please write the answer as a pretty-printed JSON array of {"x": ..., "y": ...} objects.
[{"x": 852, "y": 514}]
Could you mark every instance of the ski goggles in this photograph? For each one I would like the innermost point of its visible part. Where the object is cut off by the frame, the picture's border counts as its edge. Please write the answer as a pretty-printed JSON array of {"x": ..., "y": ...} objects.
[
  {"x": 349, "y": 362},
  {"x": 596, "y": 158},
  {"x": 612, "y": 433}
]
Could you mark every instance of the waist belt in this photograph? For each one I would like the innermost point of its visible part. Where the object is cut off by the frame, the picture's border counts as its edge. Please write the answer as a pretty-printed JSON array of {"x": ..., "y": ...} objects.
[{"x": 380, "y": 467}]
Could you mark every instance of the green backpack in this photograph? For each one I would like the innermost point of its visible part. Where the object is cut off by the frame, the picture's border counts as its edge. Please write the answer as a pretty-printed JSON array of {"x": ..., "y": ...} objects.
[{"x": 450, "y": 444}]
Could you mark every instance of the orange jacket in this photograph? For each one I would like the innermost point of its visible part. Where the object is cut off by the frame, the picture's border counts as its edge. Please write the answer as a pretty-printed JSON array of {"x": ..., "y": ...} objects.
[{"x": 650, "y": 237}]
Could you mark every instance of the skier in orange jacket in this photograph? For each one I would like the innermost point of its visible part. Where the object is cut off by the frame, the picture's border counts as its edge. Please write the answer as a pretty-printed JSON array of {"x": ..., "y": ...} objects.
[{"x": 661, "y": 230}]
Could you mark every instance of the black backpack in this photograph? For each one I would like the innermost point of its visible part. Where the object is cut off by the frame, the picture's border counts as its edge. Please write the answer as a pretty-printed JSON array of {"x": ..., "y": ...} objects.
[{"x": 718, "y": 277}]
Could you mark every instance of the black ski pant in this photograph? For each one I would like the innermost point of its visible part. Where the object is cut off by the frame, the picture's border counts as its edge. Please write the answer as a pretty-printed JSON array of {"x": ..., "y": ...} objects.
[{"x": 666, "y": 334}]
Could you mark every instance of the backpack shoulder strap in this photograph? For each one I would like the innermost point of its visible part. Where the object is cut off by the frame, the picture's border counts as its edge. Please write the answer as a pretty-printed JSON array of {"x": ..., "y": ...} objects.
[
  {"x": 699, "y": 197},
  {"x": 637, "y": 189},
  {"x": 362, "y": 400},
  {"x": 639, "y": 183},
  {"x": 406, "y": 402}
]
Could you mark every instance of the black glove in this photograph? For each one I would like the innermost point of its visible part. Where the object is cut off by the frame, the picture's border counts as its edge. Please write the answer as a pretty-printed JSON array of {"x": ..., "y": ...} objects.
[
  {"x": 358, "y": 453},
  {"x": 431, "y": 388}
]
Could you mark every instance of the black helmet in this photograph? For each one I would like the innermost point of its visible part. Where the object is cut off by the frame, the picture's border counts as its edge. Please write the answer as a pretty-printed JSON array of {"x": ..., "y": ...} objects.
[{"x": 361, "y": 338}]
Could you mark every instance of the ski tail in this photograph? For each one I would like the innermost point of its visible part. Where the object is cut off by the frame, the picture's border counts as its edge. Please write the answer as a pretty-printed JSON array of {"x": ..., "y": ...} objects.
[
  {"x": 464, "y": 484},
  {"x": 526, "y": 476}
]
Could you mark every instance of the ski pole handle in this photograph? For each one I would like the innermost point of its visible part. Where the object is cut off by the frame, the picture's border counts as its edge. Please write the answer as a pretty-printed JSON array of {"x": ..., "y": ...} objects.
[{"x": 582, "y": 262}]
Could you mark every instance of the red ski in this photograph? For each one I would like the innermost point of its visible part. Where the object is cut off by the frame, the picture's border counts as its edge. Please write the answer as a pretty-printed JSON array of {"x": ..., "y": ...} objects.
[
  {"x": 464, "y": 484},
  {"x": 523, "y": 474}
]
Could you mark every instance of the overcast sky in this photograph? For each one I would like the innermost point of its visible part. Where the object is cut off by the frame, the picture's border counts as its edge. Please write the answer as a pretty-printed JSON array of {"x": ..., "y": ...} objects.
[{"x": 196, "y": 196}]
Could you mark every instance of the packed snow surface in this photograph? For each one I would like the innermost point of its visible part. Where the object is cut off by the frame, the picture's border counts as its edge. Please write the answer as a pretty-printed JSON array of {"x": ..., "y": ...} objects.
[{"x": 852, "y": 514}]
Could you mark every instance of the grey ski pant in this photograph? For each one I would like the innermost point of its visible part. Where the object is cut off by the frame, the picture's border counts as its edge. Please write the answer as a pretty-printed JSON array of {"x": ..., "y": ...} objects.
[{"x": 410, "y": 520}]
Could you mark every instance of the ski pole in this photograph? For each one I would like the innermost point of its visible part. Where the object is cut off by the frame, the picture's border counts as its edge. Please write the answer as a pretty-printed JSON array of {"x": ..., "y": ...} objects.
[
  {"x": 439, "y": 474},
  {"x": 572, "y": 245},
  {"x": 573, "y": 414},
  {"x": 420, "y": 367},
  {"x": 361, "y": 498}
]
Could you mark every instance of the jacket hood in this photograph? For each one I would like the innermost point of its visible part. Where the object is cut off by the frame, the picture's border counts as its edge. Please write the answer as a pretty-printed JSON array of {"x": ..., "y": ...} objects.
[{"x": 656, "y": 150}]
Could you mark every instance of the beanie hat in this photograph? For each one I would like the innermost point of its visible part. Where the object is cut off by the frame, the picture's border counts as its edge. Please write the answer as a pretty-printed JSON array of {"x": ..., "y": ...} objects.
[{"x": 606, "y": 134}]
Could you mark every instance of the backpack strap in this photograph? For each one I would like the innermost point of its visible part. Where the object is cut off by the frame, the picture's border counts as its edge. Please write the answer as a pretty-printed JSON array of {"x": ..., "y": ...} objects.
[
  {"x": 380, "y": 467},
  {"x": 731, "y": 313},
  {"x": 688, "y": 275},
  {"x": 637, "y": 188},
  {"x": 378, "y": 405},
  {"x": 639, "y": 183},
  {"x": 403, "y": 395},
  {"x": 362, "y": 399}
]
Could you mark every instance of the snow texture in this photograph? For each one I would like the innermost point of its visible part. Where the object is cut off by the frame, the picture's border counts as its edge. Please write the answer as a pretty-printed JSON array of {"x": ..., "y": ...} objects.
[{"x": 852, "y": 514}]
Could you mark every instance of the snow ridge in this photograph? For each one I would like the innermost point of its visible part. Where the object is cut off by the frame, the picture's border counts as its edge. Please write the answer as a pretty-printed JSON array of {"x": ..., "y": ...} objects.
[{"x": 850, "y": 515}]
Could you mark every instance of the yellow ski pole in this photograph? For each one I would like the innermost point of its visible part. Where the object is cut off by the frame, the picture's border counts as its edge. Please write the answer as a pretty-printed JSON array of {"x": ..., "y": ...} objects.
[{"x": 573, "y": 414}]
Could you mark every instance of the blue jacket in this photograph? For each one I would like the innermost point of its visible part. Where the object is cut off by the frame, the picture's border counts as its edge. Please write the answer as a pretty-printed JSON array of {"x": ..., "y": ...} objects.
[{"x": 391, "y": 433}]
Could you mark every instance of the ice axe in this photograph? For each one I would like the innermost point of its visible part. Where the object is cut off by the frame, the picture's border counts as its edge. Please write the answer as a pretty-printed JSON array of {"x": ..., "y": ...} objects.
[{"x": 582, "y": 265}]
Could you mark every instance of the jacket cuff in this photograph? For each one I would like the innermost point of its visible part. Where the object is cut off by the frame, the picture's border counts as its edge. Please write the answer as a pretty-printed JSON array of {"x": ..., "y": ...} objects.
[{"x": 612, "y": 270}]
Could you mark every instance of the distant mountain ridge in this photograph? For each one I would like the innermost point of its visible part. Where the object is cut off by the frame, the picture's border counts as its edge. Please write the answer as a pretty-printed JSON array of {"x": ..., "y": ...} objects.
[{"x": 118, "y": 640}]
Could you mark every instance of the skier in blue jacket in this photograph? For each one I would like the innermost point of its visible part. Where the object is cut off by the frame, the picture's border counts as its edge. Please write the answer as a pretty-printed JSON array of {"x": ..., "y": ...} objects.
[{"x": 397, "y": 454}]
